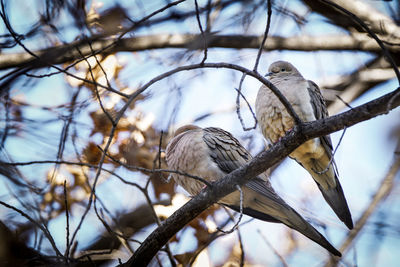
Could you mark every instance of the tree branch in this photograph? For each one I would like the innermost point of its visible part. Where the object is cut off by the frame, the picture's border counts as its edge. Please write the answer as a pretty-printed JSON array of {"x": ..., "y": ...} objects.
[
  {"x": 366, "y": 28},
  {"x": 260, "y": 163},
  {"x": 69, "y": 52},
  {"x": 358, "y": 82},
  {"x": 377, "y": 21}
]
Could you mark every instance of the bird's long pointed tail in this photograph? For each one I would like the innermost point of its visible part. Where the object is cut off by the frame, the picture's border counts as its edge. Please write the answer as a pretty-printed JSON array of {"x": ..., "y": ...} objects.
[
  {"x": 268, "y": 206},
  {"x": 329, "y": 185},
  {"x": 335, "y": 198},
  {"x": 298, "y": 223}
]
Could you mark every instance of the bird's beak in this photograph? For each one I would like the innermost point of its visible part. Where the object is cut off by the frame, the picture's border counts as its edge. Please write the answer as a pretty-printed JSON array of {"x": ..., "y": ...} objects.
[{"x": 268, "y": 74}]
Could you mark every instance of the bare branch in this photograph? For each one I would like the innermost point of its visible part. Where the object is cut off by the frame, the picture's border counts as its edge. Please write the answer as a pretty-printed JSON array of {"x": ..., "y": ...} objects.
[
  {"x": 67, "y": 53},
  {"x": 201, "y": 31},
  {"x": 236, "y": 225},
  {"x": 280, "y": 257},
  {"x": 239, "y": 90},
  {"x": 358, "y": 82},
  {"x": 377, "y": 21},
  {"x": 260, "y": 163},
  {"x": 254, "y": 74},
  {"x": 41, "y": 227},
  {"x": 67, "y": 244},
  {"x": 356, "y": 19}
]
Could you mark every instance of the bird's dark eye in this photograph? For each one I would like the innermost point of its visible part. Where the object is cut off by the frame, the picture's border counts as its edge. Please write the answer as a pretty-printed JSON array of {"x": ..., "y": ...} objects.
[{"x": 283, "y": 69}]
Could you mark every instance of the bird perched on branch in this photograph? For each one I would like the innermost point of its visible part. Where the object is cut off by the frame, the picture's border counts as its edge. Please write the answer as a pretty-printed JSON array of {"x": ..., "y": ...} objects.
[
  {"x": 314, "y": 155},
  {"x": 212, "y": 153}
]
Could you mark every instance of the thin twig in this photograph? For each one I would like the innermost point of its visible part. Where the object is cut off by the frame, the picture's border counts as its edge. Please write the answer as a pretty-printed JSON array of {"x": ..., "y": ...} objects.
[
  {"x": 390, "y": 103},
  {"x": 157, "y": 170},
  {"x": 98, "y": 172},
  {"x": 240, "y": 215},
  {"x": 344, "y": 102},
  {"x": 68, "y": 246},
  {"x": 78, "y": 78},
  {"x": 167, "y": 248},
  {"x": 251, "y": 109},
  {"x": 159, "y": 149},
  {"x": 109, "y": 171},
  {"x": 108, "y": 115},
  {"x": 17, "y": 40},
  {"x": 241, "y": 262},
  {"x": 105, "y": 224},
  {"x": 151, "y": 207},
  {"x": 139, "y": 22},
  {"x": 239, "y": 90},
  {"x": 239, "y": 93},
  {"x": 64, "y": 131},
  {"x": 269, "y": 15},
  {"x": 333, "y": 154},
  {"x": 212, "y": 237},
  {"x": 384, "y": 189},
  {"x": 370, "y": 32},
  {"x": 208, "y": 16},
  {"x": 280, "y": 257},
  {"x": 41, "y": 227},
  {"x": 98, "y": 63},
  {"x": 254, "y": 74},
  {"x": 201, "y": 31},
  {"x": 7, "y": 105}
]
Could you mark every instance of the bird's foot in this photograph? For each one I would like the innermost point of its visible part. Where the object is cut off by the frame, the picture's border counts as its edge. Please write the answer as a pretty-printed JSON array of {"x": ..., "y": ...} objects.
[{"x": 288, "y": 131}]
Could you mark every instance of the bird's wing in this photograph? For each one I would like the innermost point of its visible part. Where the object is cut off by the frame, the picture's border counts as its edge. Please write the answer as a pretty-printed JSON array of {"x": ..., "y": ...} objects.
[
  {"x": 320, "y": 112},
  {"x": 264, "y": 194},
  {"x": 229, "y": 154},
  {"x": 259, "y": 198},
  {"x": 225, "y": 150},
  {"x": 264, "y": 188}
]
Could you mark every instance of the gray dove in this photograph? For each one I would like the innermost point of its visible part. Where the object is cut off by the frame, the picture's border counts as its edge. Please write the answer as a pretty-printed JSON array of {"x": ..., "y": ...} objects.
[
  {"x": 314, "y": 155},
  {"x": 212, "y": 153}
]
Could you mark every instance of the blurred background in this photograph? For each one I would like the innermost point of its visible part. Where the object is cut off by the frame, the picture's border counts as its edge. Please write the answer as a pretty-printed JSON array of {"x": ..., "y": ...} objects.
[{"x": 67, "y": 70}]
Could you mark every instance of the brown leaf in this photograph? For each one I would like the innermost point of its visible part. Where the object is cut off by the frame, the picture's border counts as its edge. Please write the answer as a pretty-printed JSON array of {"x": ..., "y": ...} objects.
[
  {"x": 92, "y": 153},
  {"x": 109, "y": 21},
  {"x": 101, "y": 122},
  {"x": 135, "y": 154},
  {"x": 201, "y": 231},
  {"x": 160, "y": 184},
  {"x": 184, "y": 258}
]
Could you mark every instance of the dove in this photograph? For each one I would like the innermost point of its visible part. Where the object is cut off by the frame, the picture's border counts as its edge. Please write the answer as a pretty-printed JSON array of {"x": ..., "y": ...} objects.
[
  {"x": 315, "y": 155},
  {"x": 211, "y": 153}
]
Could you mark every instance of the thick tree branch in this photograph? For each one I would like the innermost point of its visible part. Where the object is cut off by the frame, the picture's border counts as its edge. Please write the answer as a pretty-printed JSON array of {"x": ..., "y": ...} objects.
[
  {"x": 260, "y": 163},
  {"x": 365, "y": 27},
  {"x": 358, "y": 82},
  {"x": 377, "y": 21},
  {"x": 73, "y": 51}
]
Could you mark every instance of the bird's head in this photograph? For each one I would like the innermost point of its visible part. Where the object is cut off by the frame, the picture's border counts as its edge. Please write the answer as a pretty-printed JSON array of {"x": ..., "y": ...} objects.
[
  {"x": 281, "y": 69},
  {"x": 185, "y": 128}
]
